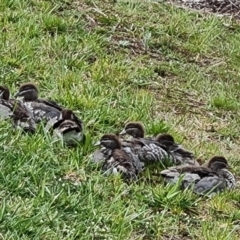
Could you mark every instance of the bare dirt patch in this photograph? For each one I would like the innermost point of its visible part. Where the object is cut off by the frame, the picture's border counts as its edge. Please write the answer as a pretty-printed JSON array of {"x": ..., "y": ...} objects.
[{"x": 222, "y": 7}]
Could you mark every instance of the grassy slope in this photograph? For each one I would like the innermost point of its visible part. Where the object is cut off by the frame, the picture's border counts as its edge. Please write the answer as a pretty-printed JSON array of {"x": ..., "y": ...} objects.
[{"x": 173, "y": 70}]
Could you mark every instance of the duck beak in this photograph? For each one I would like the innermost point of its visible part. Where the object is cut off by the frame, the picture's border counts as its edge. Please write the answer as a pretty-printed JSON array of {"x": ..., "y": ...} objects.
[
  {"x": 98, "y": 143},
  {"x": 22, "y": 93},
  {"x": 17, "y": 94},
  {"x": 123, "y": 132}
]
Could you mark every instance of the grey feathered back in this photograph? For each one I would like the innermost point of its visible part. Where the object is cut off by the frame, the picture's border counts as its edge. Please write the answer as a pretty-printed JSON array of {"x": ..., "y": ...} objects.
[{"x": 208, "y": 179}]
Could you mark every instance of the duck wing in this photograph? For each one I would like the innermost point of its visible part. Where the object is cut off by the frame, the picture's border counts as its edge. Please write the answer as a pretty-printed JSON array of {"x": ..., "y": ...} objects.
[
  {"x": 139, "y": 166},
  {"x": 209, "y": 185},
  {"x": 152, "y": 153},
  {"x": 5, "y": 109},
  {"x": 174, "y": 176},
  {"x": 200, "y": 170},
  {"x": 131, "y": 146},
  {"x": 50, "y": 103},
  {"x": 42, "y": 112},
  {"x": 188, "y": 174},
  {"x": 150, "y": 141},
  {"x": 121, "y": 162},
  {"x": 148, "y": 151},
  {"x": 21, "y": 116},
  {"x": 183, "y": 156}
]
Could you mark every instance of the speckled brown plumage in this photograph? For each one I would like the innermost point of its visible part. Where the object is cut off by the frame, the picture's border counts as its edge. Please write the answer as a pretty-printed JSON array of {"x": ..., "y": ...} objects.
[
  {"x": 181, "y": 155},
  {"x": 212, "y": 177},
  {"x": 120, "y": 161},
  {"x": 148, "y": 151},
  {"x": 42, "y": 110},
  {"x": 14, "y": 109},
  {"x": 161, "y": 149}
]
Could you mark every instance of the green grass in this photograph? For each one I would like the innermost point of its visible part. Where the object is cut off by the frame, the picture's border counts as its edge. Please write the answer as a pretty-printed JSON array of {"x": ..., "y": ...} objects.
[{"x": 113, "y": 62}]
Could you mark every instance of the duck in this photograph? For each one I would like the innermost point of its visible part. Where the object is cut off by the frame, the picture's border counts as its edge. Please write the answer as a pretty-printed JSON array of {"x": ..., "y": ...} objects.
[
  {"x": 69, "y": 128},
  {"x": 10, "y": 108},
  {"x": 134, "y": 129},
  {"x": 166, "y": 148},
  {"x": 148, "y": 150},
  {"x": 119, "y": 160},
  {"x": 181, "y": 155},
  {"x": 207, "y": 179},
  {"x": 42, "y": 110}
]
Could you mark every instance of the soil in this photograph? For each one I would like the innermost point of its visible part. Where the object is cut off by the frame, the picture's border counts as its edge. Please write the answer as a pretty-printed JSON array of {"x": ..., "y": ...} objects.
[{"x": 223, "y": 7}]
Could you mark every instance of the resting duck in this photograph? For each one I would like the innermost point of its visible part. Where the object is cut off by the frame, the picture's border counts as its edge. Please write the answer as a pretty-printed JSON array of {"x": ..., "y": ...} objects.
[
  {"x": 10, "y": 108},
  {"x": 147, "y": 149},
  {"x": 149, "y": 152},
  {"x": 212, "y": 178},
  {"x": 181, "y": 156},
  {"x": 120, "y": 161},
  {"x": 42, "y": 110},
  {"x": 162, "y": 147},
  {"x": 69, "y": 128},
  {"x": 134, "y": 129}
]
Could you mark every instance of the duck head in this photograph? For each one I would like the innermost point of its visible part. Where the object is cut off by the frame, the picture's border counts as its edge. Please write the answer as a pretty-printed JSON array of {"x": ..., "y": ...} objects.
[
  {"x": 109, "y": 141},
  {"x": 4, "y": 93},
  {"x": 218, "y": 163},
  {"x": 167, "y": 140},
  {"x": 165, "y": 137},
  {"x": 67, "y": 115},
  {"x": 134, "y": 129},
  {"x": 28, "y": 91}
]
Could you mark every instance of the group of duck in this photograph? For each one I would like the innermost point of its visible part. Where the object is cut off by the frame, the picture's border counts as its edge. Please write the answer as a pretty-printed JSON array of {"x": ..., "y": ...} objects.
[
  {"x": 118, "y": 155},
  {"x": 130, "y": 156},
  {"x": 27, "y": 110}
]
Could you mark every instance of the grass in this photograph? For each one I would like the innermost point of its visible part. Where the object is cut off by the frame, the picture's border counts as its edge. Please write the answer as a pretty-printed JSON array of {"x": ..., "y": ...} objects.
[{"x": 111, "y": 62}]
